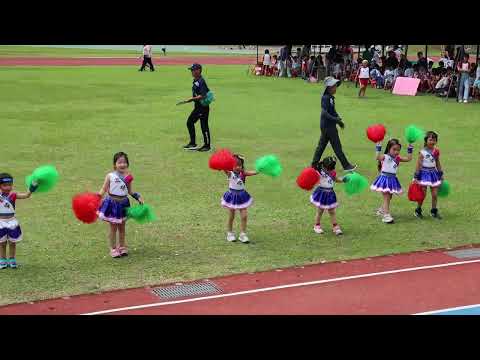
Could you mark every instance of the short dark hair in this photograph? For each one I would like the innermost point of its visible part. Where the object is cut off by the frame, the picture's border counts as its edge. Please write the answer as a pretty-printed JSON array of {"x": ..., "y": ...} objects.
[
  {"x": 430, "y": 134},
  {"x": 5, "y": 176},
  {"x": 240, "y": 160},
  {"x": 118, "y": 155}
]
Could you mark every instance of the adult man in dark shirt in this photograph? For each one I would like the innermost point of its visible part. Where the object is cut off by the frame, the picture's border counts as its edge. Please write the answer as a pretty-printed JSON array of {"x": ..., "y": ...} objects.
[
  {"x": 391, "y": 60},
  {"x": 328, "y": 126},
  {"x": 422, "y": 61},
  {"x": 200, "y": 111}
]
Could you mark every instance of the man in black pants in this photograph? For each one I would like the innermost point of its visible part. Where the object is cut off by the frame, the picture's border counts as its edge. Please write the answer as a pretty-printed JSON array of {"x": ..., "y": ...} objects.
[
  {"x": 200, "y": 112},
  {"x": 147, "y": 58},
  {"x": 328, "y": 126}
]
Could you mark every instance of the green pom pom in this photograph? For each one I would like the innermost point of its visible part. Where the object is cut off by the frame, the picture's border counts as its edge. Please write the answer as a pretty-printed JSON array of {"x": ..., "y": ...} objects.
[
  {"x": 355, "y": 184},
  {"x": 208, "y": 99},
  {"x": 45, "y": 176},
  {"x": 444, "y": 189},
  {"x": 141, "y": 213},
  {"x": 413, "y": 133},
  {"x": 268, "y": 165}
]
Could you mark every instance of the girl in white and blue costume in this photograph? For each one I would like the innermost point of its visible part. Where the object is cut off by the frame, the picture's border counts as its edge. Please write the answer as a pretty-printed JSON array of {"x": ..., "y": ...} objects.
[
  {"x": 10, "y": 231},
  {"x": 387, "y": 182},
  {"x": 113, "y": 209},
  {"x": 324, "y": 197},
  {"x": 237, "y": 198},
  {"x": 429, "y": 172}
]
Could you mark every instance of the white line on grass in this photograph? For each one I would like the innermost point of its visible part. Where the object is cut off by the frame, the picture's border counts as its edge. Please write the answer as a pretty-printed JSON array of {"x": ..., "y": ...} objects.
[
  {"x": 448, "y": 309},
  {"x": 279, "y": 287}
]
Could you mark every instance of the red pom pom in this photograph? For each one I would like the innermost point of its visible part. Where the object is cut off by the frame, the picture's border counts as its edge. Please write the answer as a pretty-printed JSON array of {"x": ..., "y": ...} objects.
[
  {"x": 415, "y": 193},
  {"x": 222, "y": 160},
  {"x": 376, "y": 133},
  {"x": 85, "y": 207},
  {"x": 308, "y": 178}
]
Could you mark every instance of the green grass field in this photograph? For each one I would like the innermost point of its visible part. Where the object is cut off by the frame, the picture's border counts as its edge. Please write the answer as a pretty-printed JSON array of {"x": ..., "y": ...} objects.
[{"x": 77, "y": 118}]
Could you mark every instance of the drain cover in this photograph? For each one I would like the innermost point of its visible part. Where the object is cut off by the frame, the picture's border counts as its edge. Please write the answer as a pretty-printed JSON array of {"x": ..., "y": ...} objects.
[
  {"x": 186, "y": 290},
  {"x": 465, "y": 254}
]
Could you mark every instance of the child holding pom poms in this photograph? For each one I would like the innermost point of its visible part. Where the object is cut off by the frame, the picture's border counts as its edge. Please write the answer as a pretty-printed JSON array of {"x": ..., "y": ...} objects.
[
  {"x": 324, "y": 197},
  {"x": 237, "y": 198},
  {"x": 387, "y": 182},
  {"x": 113, "y": 209},
  {"x": 9, "y": 228},
  {"x": 429, "y": 172}
]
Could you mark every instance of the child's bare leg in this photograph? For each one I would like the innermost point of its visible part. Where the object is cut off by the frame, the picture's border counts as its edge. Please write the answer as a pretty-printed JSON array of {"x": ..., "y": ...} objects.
[
  {"x": 243, "y": 223},
  {"x": 318, "y": 216},
  {"x": 386, "y": 203},
  {"x": 231, "y": 216},
  {"x": 12, "y": 250},
  {"x": 434, "y": 191},
  {"x": 112, "y": 236},
  {"x": 3, "y": 250},
  {"x": 333, "y": 216},
  {"x": 420, "y": 203},
  {"x": 121, "y": 234}
]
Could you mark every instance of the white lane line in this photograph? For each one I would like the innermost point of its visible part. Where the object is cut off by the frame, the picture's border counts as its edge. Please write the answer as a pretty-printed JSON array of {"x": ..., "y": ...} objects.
[
  {"x": 279, "y": 287},
  {"x": 448, "y": 309}
]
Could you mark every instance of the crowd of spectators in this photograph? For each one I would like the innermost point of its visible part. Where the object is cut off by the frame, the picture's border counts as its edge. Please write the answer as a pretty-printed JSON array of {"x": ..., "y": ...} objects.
[{"x": 441, "y": 79}]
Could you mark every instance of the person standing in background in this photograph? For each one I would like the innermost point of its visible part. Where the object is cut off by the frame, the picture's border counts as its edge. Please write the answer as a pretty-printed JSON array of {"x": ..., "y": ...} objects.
[
  {"x": 147, "y": 58},
  {"x": 463, "y": 69},
  {"x": 200, "y": 111},
  {"x": 164, "y": 50}
]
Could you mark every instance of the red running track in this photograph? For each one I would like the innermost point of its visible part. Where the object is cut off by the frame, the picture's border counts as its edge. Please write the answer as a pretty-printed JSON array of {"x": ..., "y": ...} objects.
[
  {"x": 353, "y": 287},
  {"x": 107, "y": 61}
]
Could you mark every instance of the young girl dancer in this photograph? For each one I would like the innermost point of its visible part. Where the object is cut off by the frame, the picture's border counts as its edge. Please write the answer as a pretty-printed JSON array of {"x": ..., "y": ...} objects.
[
  {"x": 429, "y": 172},
  {"x": 363, "y": 77},
  {"x": 387, "y": 182},
  {"x": 10, "y": 231},
  {"x": 117, "y": 186},
  {"x": 324, "y": 197},
  {"x": 237, "y": 198}
]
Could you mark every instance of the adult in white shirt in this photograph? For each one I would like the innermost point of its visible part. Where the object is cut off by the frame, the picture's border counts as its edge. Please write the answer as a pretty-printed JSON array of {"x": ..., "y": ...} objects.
[
  {"x": 147, "y": 58},
  {"x": 447, "y": 62}
]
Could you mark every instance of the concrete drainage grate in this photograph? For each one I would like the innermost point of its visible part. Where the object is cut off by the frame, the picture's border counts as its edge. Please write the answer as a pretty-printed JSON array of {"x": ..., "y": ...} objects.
[
  {"x": 465, "y": 254},
  {"x": 187, "y": 290}
]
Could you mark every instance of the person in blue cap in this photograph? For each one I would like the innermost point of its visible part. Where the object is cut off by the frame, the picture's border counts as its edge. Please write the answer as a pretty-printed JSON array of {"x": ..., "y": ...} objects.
[{"x": 200, "y": 111}]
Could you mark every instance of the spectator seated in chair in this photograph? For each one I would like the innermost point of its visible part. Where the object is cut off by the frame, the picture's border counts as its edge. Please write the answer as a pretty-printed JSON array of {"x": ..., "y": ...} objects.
[
  {"x": 377, "y": 77},
  {"x": 389, "y": 77}
]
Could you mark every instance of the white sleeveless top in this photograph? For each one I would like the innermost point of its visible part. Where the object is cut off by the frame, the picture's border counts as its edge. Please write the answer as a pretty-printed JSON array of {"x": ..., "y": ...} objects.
[
  {"x": 6, "y": 206},
  {"x": 364, "y": 73},
  {"x": 326, "y": 180},
  {"x": 266, "y": 60},
  {"x": 118, "y": 187},
  {"x": 236, "y": 181},
  {"x": 428, "y": 159},
  {"x": 390, "y": 164}
]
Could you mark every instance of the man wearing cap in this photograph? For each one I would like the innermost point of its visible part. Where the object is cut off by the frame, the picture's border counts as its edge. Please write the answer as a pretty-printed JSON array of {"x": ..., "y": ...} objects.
[
  {"x": 200, "y": 111},
  {"x": 328, "y": 126}
]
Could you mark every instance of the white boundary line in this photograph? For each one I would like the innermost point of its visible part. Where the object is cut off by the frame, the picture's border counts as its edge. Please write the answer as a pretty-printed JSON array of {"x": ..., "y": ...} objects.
[
  {"x": 317, "y": 282},
  {"x": 448, "y": 309}
]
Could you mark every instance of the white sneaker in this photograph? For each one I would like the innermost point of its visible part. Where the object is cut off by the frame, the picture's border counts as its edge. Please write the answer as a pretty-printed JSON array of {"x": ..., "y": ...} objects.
[
  {"x": 243, "y": 238},
  {"x": 465, "y": 101},
  {"x": 231, "y": 236},
  {"x": 379, "y": 212},
  {"x": 388, "y": 219},
  {"x": 318, "y": 229},
  {"x": 337, "y": 231}
]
